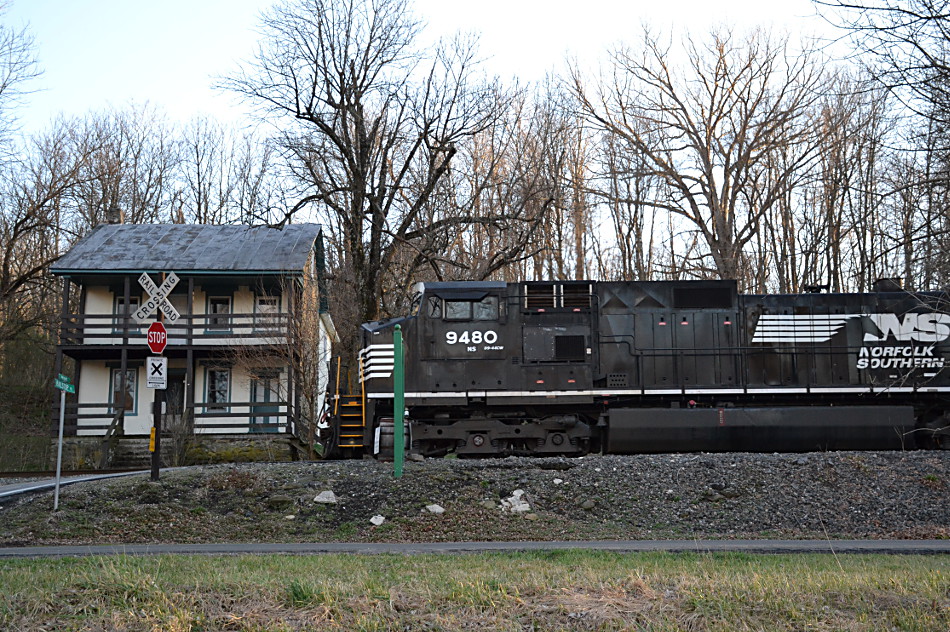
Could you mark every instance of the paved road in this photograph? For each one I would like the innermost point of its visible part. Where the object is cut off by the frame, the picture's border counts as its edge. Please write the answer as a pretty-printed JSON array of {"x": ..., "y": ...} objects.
[
  {"x": 896, "y": 547},
  {"x": 9, "y": 490}
]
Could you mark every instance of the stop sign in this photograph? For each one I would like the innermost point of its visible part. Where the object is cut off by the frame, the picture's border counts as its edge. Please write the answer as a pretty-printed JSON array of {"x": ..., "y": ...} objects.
[{"x": 157, "y": 337}]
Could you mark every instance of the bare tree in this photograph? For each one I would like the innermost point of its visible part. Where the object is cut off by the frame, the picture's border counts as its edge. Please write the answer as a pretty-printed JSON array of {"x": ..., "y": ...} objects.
[
  {"x": 710, "y": 131},
  {"x": 35, "y": 174},
  {"x": 18, "y": 65},
  {"x": 32, "y": 192},
  {"x": 225, "y": 176},
  {"x": 631, "y": 194},
  {"x": 905, "y": 46},
  {"x": 378, "y": 123},
  {"x": 506, "y": 185},
  {"x": 565, "y": 236},
  {"x": 133, "y": 168}
]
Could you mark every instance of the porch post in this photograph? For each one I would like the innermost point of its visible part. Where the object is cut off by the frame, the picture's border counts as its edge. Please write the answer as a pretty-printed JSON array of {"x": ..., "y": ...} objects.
[
  {"x": 190, "y": 358},
  {"x": 126, "y": 317}
]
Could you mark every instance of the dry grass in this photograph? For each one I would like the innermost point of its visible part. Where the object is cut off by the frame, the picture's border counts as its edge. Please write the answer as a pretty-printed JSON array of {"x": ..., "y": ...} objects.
[{"x": 541, "y": 591}]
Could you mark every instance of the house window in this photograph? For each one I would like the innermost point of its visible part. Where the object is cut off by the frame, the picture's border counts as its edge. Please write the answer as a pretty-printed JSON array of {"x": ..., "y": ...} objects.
[
  {"x": 127, "y": 385},
  {"x": 121, "y": 309},
  {"x": 266, "y": 309},
  {"x": 219, "y": 310},
  {"x": 218, "y": 385}
]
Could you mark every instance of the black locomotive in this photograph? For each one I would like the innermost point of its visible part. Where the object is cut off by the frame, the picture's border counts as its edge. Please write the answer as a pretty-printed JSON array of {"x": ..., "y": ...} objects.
[{"x": 571, "y": 367}]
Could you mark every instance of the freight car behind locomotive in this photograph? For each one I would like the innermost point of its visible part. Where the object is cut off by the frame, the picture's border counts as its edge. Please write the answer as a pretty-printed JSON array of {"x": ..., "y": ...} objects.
[{"x": 566, "y": 368}]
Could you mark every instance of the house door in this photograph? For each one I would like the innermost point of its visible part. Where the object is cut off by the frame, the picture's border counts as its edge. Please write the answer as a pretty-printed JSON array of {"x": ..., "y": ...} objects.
[
  {"x": 174, "y": 418},
  {"x": 265, "y": 398}
]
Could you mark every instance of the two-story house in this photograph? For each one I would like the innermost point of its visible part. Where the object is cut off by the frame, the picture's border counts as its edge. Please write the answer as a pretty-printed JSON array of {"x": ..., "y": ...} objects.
[{"x": 247, "y": 354}]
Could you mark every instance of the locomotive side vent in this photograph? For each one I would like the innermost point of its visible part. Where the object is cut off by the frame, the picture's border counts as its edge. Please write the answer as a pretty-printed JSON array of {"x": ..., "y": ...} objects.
[
  {"x": 569, "y": 348},
  {"x": 617, "y": 380},
  {"x": 576, "y": 295},
  {"x": 540, "y": 296}
]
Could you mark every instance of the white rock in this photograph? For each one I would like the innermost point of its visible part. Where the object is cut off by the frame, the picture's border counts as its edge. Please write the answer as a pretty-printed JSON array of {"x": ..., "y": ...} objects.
[
  {"x": 377, "y": 520},
  {"x": 326, "y": 497},
  {"x": 558, "y": 481},
  {"x": 515, "y": 503},
  {"x": 290, "y": 517},
  {"x": 436, "y": 509}
]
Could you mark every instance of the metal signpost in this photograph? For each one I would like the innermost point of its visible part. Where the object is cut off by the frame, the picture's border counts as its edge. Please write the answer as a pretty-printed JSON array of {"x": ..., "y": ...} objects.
[
  {"x": 399, "y": 391},
  {"x": 157, "y": 339},
  {"x": 65, "y": 385}
]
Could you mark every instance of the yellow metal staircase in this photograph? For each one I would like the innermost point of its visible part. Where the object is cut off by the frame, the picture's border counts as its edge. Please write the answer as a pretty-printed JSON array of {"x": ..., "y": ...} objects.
[{"x": 351, "y": 421}]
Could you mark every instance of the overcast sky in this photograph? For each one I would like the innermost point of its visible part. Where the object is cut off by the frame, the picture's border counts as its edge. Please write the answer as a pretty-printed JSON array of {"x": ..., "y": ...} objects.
[{"x": 101, "y": 53}]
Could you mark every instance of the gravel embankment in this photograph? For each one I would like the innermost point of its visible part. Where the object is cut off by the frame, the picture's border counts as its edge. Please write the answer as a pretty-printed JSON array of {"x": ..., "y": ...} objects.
[{"x": 837, "y": 495}]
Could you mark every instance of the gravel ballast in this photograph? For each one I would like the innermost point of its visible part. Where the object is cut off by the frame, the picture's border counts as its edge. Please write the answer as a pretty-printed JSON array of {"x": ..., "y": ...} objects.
[{"x": 680, "y": 496}]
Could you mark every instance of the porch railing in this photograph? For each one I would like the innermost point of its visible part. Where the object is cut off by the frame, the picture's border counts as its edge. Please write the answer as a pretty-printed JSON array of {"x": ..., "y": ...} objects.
[
  {"x": 199, "y": 329},
  {"x": 94, "y": 418}
]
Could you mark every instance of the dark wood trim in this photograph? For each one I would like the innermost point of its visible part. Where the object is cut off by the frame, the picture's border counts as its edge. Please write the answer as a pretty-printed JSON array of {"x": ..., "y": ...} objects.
[
  {"x": 190, "y": 360},
  {"x": 124, "y": 362}
]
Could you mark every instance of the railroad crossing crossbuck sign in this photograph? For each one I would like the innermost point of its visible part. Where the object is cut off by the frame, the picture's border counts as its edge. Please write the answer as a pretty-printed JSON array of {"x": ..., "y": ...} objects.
[{"x": 157, "y": 298}]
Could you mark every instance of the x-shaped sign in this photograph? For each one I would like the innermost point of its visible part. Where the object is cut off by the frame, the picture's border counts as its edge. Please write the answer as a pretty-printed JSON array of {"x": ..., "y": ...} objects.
[
  {"x": 158, "y": 298},
  {"x": 157, "y": 376}
]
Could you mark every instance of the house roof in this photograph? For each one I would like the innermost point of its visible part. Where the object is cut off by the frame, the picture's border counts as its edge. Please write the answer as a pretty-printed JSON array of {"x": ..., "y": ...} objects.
[{"x": 120, "y": 248}]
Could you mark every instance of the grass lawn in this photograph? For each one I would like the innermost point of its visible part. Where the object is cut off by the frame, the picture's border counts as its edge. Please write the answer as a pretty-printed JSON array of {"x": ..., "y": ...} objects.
[{"x": 571, "y": 590}]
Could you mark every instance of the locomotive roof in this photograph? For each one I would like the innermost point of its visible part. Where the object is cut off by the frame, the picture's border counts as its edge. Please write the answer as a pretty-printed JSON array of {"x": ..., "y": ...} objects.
[{"x": 472, "y": 290}]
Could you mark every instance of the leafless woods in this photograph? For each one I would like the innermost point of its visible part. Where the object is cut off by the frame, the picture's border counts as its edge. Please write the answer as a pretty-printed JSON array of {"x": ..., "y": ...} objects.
[{"x": 717, "y": 155}]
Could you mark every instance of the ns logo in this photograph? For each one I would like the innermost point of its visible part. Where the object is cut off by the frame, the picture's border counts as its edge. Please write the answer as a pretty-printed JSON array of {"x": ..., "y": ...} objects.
[{"x": 909, "y": 328}]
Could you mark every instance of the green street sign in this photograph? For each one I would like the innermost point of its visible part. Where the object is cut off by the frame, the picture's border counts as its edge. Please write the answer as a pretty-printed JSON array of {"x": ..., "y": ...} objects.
[
  {"x": 64, "y": 378},
  {"x": 65, "y": 386}
]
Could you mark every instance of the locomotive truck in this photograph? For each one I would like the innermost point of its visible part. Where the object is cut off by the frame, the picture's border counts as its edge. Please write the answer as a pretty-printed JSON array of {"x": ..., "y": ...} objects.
[{"x": 572, "y": 367}]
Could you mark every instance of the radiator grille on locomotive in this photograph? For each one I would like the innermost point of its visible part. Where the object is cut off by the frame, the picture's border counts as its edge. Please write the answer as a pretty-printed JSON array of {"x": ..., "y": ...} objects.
[{"x": 569, "y": 348}]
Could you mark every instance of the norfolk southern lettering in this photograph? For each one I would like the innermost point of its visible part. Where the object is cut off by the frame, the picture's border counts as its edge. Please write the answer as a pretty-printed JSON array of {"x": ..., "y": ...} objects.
[{"x": 895, "y": 357}]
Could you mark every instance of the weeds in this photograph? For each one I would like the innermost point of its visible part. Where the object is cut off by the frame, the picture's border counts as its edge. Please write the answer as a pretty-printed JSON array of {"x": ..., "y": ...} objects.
[
  {"x": 933, "y": 482},
  {"x": 543, "y": 591}
]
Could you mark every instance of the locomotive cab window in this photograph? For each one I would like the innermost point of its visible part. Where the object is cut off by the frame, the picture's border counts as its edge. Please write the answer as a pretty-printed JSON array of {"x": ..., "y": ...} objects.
[
  {"x": 458, "y": 310},
  {"x": 485, "y": 309}
]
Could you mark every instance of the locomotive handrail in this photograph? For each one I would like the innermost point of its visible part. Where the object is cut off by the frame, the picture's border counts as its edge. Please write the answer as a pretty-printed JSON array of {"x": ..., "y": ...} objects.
[
  {"x": 336, "y": 401},
  {"x": 362, "y": 394}
]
